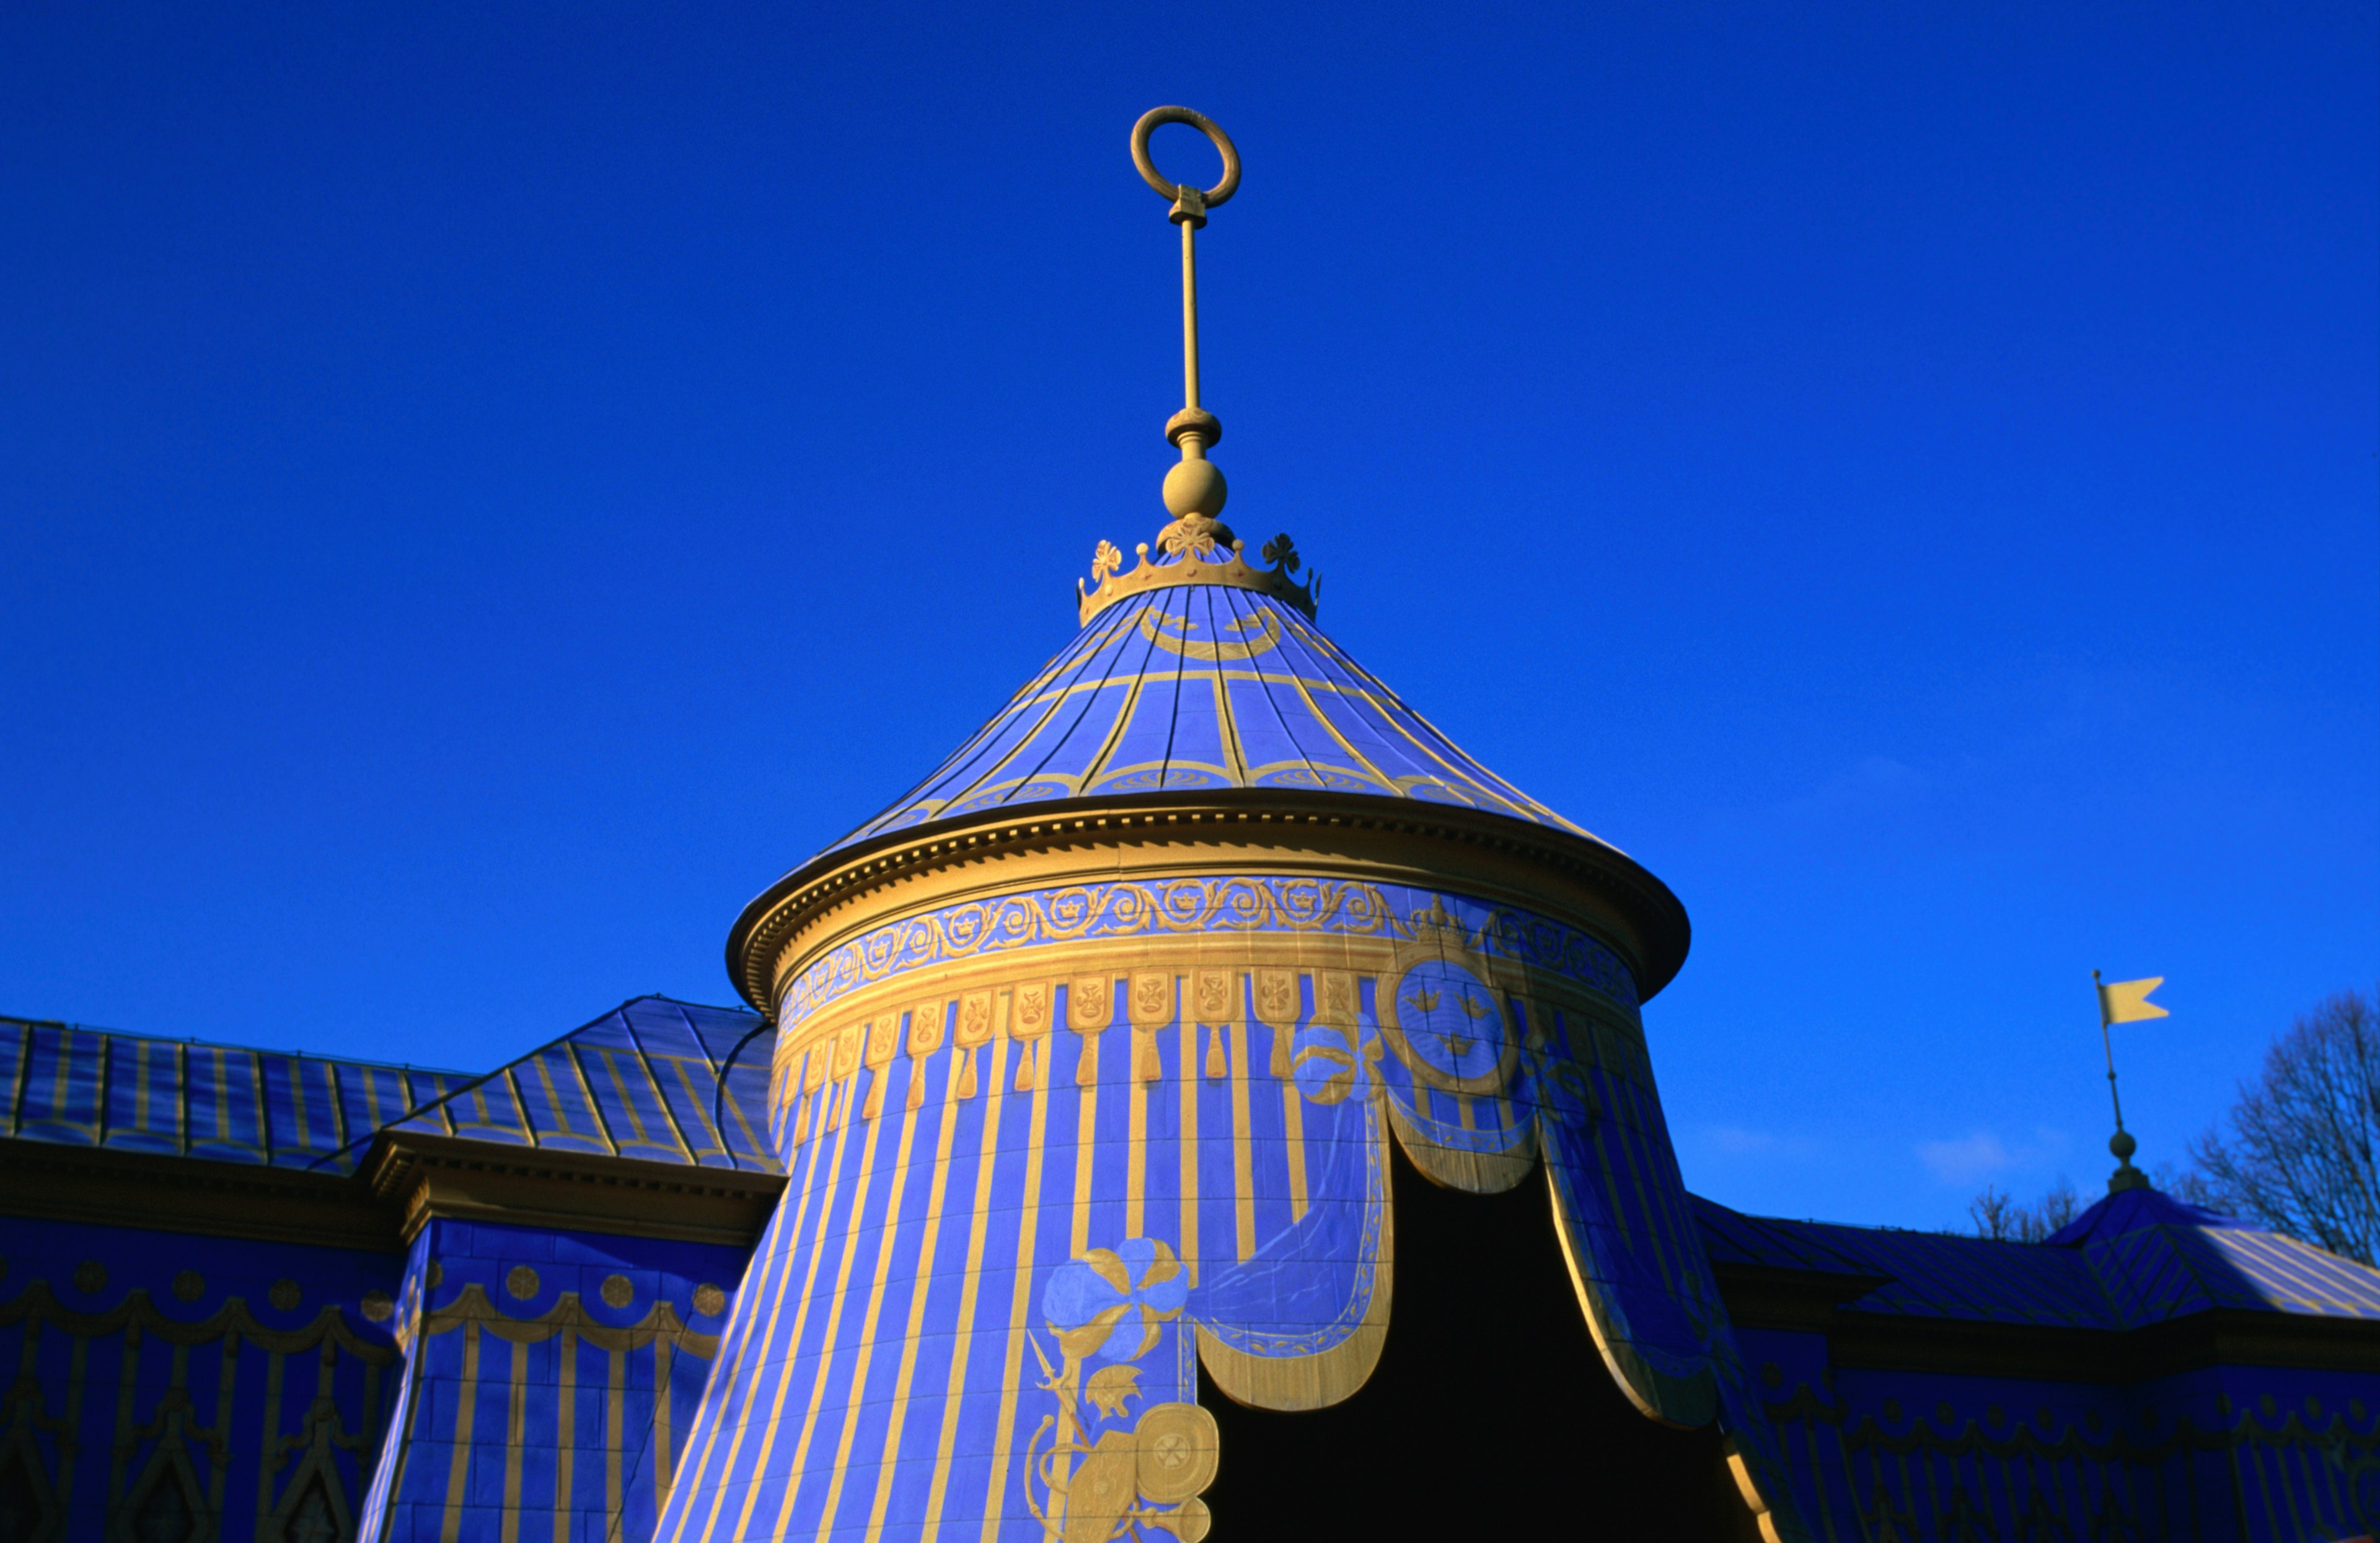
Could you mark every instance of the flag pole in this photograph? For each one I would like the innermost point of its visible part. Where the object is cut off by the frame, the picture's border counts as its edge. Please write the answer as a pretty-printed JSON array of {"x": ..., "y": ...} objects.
[
  {"x": 2108, "y": 1042},
  {"x": 2121, "y": 1146}
]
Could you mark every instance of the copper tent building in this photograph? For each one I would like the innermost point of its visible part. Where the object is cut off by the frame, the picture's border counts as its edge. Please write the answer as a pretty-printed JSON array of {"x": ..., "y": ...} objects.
[{"x": 1209, "y": 1102}]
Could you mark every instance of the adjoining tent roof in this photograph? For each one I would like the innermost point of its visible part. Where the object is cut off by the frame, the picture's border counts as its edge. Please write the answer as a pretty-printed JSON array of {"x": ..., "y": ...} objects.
[
  {"x": 642, "y": 1081},
  {"x": 227, "y": 1103},
  {"x": 2136, "y": 1257}
]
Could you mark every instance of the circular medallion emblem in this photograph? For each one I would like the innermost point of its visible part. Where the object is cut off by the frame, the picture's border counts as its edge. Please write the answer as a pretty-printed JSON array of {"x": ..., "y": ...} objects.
[
  {"x": 521, "y": 1281},
  {"x": 284, "y": 1295},
  {"x": 1178, "y": 1445},
  {"x": 190, "y": 1285},
  {"x": 708, "y": 1300},
  {"x": 1450, "y": 1019},
  {"x": 617, "y": 1292}
]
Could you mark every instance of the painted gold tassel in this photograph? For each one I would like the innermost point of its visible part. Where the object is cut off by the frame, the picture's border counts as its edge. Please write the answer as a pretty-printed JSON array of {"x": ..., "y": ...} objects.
[
  {"x": 1218, "y": 1065},
  {"x": 875, "y": 1104},
  {"x": 917, "y": 1085},
  {"x": 966, "y": 1073},
  {"x": 1280, "y": 1053},
  {"x": 1086, "y": 1070},
  {"x": 1025, "y": 1071},
  {"x": 1151, "y": 1067}
]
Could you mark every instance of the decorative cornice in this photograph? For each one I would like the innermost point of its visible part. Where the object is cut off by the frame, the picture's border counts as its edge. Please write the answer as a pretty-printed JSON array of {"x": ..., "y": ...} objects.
[
  {"x": 1197, "y": 550},
  {"x": 427, "y": 1177},
  {"x": 1575, "y": 877},
  {"x": 165, "y": 1191}
]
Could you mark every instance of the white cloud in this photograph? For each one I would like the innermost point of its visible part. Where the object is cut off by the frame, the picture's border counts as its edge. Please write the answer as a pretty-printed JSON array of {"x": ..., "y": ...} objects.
[
  {"x": 1967, "y": 1158},
  {"x": 1983, "y": 1154}
]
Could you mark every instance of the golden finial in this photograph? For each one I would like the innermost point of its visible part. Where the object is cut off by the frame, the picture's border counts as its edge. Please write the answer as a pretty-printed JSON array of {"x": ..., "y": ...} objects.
[
  {"x": 1195, "y": 489},
  {"x": 1196, "y": 548}
]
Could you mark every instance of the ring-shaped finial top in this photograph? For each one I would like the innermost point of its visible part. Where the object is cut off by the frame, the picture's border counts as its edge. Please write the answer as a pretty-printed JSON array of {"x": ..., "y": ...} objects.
[{"x": 1221, "y": 191}]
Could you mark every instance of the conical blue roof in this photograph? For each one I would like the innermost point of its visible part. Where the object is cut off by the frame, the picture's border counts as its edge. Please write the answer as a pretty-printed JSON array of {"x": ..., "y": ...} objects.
[{"x": 1200, "y": 687}]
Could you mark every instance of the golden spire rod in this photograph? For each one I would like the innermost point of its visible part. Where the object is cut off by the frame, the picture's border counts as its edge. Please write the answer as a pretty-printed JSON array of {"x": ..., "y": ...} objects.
[{"x": 1195, "y": 487}]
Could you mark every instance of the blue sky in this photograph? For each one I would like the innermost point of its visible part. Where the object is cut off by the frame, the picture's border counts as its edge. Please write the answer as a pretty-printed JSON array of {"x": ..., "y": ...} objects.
[{"x": 487, "y": 488}]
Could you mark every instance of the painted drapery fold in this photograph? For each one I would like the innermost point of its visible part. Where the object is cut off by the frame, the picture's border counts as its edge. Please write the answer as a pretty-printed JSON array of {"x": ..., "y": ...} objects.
[{"x": 1047, "y": 1151}]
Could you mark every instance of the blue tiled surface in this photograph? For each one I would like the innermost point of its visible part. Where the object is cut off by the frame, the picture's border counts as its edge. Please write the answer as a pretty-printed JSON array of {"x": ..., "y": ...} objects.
[
  {"x": 158, "y": 1374},
  {"x": 2133, "y": 1259},
  {"x": 1203, "y": 687},
  {"x": 642, "y": 1081},
  {"x": 549, "y": 1380},
  {"x": 91, "y": 1088}
]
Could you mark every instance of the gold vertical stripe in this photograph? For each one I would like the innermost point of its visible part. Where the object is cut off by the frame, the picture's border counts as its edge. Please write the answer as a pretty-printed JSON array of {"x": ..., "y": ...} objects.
[
  {"x": 553, "y": 1098},
  {"x": 1119, "y": 618},
  {"x": 296, "y": 1097},
  {"x": 662, "y": 1452},
  {"x": 65, "y": 1067},
  {"x": 752, "y": 1299},
  {"x": 888, "y": 1466},
  {"x": 1085, "y": 1142},
  {"x": 515, "y": 1423},
  {"x": 615, "y": 1401},
  {"x": 1097, "y": 763},
  {"x": 970, "y": 1279},
  {"x": 594, "y": 1104},
  {"x": 1188, "y": 1144},
  {"x": 1293, "y": 1120},
  {"x": 870, "y": 1138},
  {"x": 793, "y": 1351},
  {"x": 1028, "y": 1223},
  {"x": 566, "y": 1430},
  {"x": 867, "y": 1356},
  {"x": 459, "y": 1465},
  {"x": 1243, "y": 1178},
  {"x": 1135, "y": 1159}
]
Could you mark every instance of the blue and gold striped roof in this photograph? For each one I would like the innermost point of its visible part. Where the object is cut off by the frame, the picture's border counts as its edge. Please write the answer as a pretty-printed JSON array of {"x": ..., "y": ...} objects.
[
  {"x": 2134, "y": 1258},
  {"x": 91, "y": 1088},
  {"x": 1203, "y": 687},
  {"x": 642, "y": 1081}
]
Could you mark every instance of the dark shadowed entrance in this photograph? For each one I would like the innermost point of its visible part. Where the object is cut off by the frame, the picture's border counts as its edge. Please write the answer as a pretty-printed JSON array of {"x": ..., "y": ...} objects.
[{"x": 1491, "y": 1409}]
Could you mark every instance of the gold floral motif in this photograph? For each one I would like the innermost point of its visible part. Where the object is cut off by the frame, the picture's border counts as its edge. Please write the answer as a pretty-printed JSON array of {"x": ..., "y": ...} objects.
[
  {"x": 974, "y": 1020},
  {"x": 1214, "y": 995},
  {"x": 708, "y": 1300},
  {"x": 377, "y": 1306},
  {"x": 846, "y": 1050},
  {"x": 1087, "y": 1009},
  {"x": 1277, "y": 996},
  {"x": 521, "y": 1281},
  {"x": 284, "y": 1295},
  {"x": 883, "y": 1041},
  {"x": 1152, "y": 998},
  {"x": 1032, "y": 1017},
  {"x": 616, "y": 1291},
  {"x": 926, "y": 1028},
  {"x": 190, "y": 1285},
  {"x": 1336, "y": 991}
]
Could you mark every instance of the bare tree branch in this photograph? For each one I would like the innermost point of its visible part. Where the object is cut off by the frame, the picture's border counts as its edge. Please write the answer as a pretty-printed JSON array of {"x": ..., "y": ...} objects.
[{"x": 2305, "y": 1132}]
